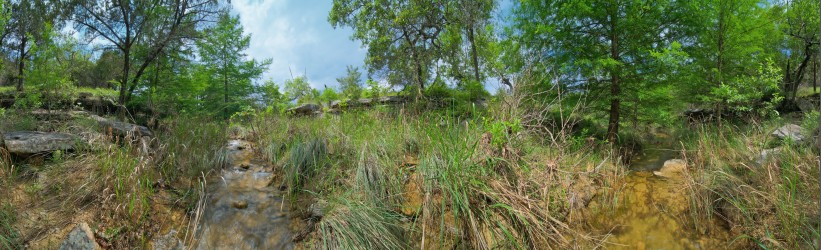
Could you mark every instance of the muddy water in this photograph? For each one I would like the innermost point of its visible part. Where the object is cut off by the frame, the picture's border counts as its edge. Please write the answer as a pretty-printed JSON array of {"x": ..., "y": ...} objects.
[
  {"x": 652, "y": 212},
  {"x": 242, "y": 210}
]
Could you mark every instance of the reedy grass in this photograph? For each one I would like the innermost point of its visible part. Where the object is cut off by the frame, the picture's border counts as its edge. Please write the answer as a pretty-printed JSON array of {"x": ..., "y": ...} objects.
[
  {"x": 770, "y": 205},
  {"x": 355, "y": 224},
  {"x": 9, "y": 236}
]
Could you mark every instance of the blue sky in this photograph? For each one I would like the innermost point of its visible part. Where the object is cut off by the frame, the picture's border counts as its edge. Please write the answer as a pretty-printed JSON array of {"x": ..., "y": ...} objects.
[{"x": 297, "y": 36}]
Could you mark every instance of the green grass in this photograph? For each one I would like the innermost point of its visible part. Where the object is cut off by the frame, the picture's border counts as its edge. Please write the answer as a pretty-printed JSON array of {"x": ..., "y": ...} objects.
[
  {"x": 807, "y": 91},
  {"x": 354, "y": 224},
  {"x": 75, "y": 92},
  {"x": 770, "y": 203},
  {"x": 9, "y": 237}
]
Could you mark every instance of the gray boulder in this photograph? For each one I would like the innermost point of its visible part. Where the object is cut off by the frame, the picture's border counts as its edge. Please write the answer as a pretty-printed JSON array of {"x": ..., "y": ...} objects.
[
  {"x": 791, "y": 131},
  {"x": 122, "y": 128},
  {"x": 33, "y": 142},
  {"x": 168, "y": 242},
  {"x": 305, "y": 109},
  {"x": 80, "y": 238},
  {"x": 767, "y": 154},
  {"x": 337, "y": 104}
]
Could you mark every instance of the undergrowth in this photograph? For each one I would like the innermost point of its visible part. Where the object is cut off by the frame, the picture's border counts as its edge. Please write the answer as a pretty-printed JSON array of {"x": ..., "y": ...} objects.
[{"x": 769, "y": 201}]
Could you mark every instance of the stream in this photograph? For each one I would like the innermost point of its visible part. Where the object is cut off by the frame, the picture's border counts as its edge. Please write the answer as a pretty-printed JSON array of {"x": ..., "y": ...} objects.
[
  {"x": 652, "y": 212},
  {"x": 242, "y": 211}
]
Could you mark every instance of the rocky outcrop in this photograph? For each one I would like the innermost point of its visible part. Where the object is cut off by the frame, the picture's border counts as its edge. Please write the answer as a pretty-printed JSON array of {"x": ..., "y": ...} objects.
[
  {"x": 80, "y": 238},
  {"x": 305, "y": 109},
  {"x": 672, "y": 168},
  {"x": 33, "y": 142},
  {"x": 789, "y": 131},
  {"x": 122, "y": 128}
]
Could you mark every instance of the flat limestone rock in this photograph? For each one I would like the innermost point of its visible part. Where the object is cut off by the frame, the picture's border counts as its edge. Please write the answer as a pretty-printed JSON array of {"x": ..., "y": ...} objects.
[
  {"x": 122, "y": 128},
  {"x": 33, "y": 142},
  {"x": 305, "y": 109},
  {"x": 792, "y": 131},
  {"x": 80, "y": 238}
]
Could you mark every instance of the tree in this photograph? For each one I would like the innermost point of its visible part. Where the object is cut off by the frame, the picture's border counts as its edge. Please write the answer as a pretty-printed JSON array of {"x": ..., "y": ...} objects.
[
  {"x": 410, "y": 41},
  {"x": 351, "y": 83},
  {"x": 150, "y": 26},
  {"x": 402, "y": 36},
  {"x": 602, "y": 45},
  {"x": 50, "y": 67},
  {"x": 298, "y": 89},
  {"x": 731, "y": 44},
  {"x": 27, "y": 23},
  {"x": 802, "y": 40},
  {"x": 221, "y": 52},
  {"x": 272, "y": 97},
  {"x": 328, "y": 95}
]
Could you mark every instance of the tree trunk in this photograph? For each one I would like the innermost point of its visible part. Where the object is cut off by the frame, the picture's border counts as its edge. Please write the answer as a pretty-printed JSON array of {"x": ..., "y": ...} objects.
[
  {"x": 720, "y": 60},
  {"x": 815, "y": 76},
  {"x": 615, "y": 89},
  {"x": 225, "y": 95},
  {"x": 21, "y": 64},
  {"x": 474, "y": 54},
  {"x": 419, "y": 81},
  {"x": 124, "y": 82}
]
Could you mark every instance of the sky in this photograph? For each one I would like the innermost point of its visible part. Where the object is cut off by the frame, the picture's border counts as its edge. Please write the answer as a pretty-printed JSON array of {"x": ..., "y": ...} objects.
[{"x": 296, "y": 35}]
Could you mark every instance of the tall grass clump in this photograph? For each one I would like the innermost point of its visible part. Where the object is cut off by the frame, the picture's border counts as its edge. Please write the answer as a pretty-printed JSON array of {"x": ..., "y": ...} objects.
[
  {"x": 305, "y": 160},
  {"x": 9, "y": 237},
  {"x": 185, "y": 145},
  {"x": 373, "y": 181},
  {"x": 354, "y": 224},
  {"x": 767, "y": 200}
]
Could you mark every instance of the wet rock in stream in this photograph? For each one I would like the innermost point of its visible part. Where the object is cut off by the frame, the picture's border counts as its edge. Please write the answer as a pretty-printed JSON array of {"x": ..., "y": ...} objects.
[{"x": 672, "y": 168}]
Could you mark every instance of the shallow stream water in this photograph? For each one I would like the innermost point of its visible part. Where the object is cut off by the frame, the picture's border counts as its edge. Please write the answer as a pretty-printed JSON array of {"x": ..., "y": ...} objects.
[
  {"x": 652, "y": 212},
  {"x": 242, "y": 211}
]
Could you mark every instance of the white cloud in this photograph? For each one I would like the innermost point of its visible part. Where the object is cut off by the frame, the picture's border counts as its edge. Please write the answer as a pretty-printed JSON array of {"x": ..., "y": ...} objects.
[{"x": 297, "y": 36}]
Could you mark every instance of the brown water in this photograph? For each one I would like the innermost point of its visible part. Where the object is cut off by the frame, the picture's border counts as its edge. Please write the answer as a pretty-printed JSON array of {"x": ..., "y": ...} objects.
[
  {"x": 242, "y": 210},
  {"x": 652, "y": 212}
]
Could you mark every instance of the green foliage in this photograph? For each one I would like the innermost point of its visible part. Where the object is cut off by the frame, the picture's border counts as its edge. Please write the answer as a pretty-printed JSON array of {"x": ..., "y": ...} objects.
[
  {"x": 328, "y": 95},
  {"x": 375, "y": 90},
  {"x": 406, "y": 40},
  {"x": 298, "y": 89},
  {"x": 228, "y": 72},
  {"x": 351, "y": 83},
  {"x": 275, "y": 100},
  {"x": 500, "y": 131},
  {"x": 757, "y": 93},
  {"x": 49, "y": 72}
]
